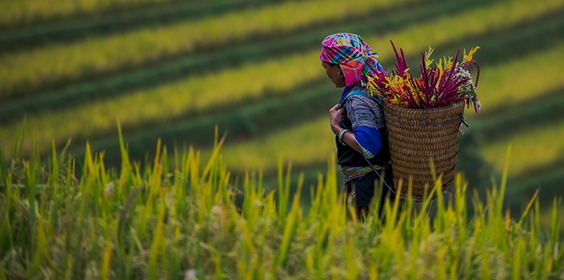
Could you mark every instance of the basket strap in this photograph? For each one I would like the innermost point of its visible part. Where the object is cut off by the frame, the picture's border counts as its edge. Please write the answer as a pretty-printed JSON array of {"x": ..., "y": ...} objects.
[{"x": 358, "y": 92}]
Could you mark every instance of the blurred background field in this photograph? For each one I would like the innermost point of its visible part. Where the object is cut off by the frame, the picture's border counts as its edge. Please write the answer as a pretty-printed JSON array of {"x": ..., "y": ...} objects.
[{"x": 174, "y": 69}]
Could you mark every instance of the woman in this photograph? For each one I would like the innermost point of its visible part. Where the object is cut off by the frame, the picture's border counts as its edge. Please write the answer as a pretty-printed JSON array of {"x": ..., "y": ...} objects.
[{"x": 357, "y": 120}]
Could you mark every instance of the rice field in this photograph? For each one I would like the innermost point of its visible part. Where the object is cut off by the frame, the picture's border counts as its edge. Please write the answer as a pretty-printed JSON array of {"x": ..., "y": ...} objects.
[
  {"x": 222, "y": 213},
  {"x": 30, "y": 70},
  {"x": 309, "y": 143},
  {"x": 20, "y": 12},
  {"x": 538, "y": 74},
  {"x": 535, "y": 146},
  {"x": 192, "y": 96},
  {"x": 252, "y": 81},
  {"x": 193, "y": 222}
]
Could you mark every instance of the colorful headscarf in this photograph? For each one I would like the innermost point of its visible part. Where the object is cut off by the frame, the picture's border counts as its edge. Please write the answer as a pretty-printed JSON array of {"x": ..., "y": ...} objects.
[{"x": 354, "y": 56}]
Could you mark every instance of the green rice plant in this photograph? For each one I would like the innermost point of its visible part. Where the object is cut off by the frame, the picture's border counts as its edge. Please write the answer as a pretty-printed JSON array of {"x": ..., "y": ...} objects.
[
  {"x": 68, "y": 62},
  {"x": 536, "y": 146},
  {"x": 199, "y": 223},
  {"x": 249, "y": 82},
  {"x": 23, "y": 12}
]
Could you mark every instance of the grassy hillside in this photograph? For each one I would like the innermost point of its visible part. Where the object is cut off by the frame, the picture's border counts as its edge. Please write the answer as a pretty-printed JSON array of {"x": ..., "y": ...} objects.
[{"x": 173, "y": 70}]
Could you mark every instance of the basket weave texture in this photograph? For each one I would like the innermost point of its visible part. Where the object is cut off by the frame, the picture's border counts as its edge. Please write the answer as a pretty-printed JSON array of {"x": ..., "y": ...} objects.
[{"x": 415, "y": 135}]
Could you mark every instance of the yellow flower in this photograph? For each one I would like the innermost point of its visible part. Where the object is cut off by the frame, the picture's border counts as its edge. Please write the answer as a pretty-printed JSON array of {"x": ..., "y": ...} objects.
[
  {"x": 470, "y": 53},
  {"x": 448, "y": 63},
  {"x": 428, "y": 59},
  {"x": 441, "y": 70},
  {"x": 394, "y": 100}
]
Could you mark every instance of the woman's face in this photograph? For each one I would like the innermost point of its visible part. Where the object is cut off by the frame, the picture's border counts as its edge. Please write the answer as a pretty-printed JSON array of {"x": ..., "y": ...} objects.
[{"x": 334, "y": 73}]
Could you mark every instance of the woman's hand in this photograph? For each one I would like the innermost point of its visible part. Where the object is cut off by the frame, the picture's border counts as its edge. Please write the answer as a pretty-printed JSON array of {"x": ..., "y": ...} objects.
[{"x": 337, "y": 116}]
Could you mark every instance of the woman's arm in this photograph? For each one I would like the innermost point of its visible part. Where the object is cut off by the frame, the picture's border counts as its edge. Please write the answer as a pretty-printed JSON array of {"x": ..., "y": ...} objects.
[
  {"x": 364, "y": 137},
  {"x": 337, "y": 116}
]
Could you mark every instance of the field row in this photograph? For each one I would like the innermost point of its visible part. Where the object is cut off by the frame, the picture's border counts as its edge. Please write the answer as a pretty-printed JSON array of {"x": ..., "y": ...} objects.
[
  {"x": 525, "y": 79},
  {"x": 549, "y": 180},
  {"x": 241, "y": 122},
  {"x": 508, "y": 120},
  {"x": 76, "y": 27},
  {"x": 25, "y": 12},
  {"x": 30, "y": 70},
  {"x": 535, "y": 146},
  {"x": 249, "y": 82},
  {"x": 307, "y": 144}
]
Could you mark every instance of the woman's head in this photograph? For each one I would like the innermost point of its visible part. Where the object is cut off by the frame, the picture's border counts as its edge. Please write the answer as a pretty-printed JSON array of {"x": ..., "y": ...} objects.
[
  {"x": 334, "y": 73},
  {"x": 351, "y": 55}
]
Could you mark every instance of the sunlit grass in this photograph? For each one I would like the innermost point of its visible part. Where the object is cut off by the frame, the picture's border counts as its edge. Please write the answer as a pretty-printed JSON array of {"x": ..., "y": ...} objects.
[
  {"x": 29, "y": 70},
  {"x": 305, "y": 144},
  {"x": 255, "y": 81},
  {"x": 546, "y": 217},
  {"x": 535, "y": 146},
  {"x": 157, "y": 222}
]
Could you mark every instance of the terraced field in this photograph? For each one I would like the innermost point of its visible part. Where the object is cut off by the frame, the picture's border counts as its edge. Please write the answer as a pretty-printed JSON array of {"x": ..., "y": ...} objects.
[{"x": 173, "y": 70}]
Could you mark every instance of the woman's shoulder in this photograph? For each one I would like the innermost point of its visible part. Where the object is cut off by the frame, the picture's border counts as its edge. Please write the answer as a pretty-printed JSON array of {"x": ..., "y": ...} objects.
[
  {"x": 361, "y": 94},
  {"x": 358, "y": 88},
  {"x": 357, "y": 100}
]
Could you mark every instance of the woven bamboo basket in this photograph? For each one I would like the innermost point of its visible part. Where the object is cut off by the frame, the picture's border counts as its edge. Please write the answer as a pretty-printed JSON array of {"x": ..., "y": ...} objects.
[{"x": 415, "y": 136}]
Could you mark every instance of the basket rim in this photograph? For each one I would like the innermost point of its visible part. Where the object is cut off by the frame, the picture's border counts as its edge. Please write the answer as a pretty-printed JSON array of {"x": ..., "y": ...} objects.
[{"x": 396, "y": 107}]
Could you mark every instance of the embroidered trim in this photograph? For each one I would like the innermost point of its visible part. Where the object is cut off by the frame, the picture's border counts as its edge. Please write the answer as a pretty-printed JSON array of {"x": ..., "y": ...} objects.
[
  {"x": 355, "y": 172},
  {"x": 366, "y": 153}
]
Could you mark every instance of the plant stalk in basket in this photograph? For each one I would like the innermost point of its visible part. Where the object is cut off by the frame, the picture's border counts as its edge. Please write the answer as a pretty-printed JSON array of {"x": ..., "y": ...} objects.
[{"x": 441, "y": 85}]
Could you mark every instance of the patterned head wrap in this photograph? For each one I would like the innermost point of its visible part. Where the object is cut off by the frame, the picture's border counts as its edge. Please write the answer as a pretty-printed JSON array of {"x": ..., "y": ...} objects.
[{"x": 354, "y": 56}]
